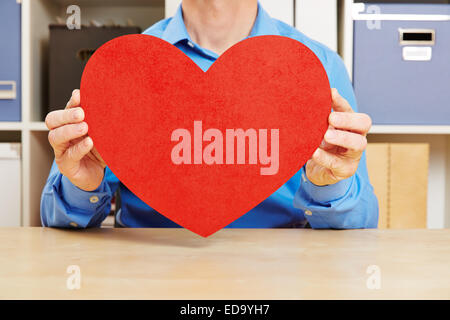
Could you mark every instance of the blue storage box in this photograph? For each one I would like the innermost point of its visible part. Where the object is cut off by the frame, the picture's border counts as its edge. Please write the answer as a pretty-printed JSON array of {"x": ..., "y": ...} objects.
[
  {"x": 10, "y": 57},
  {"x": 401, "y": 63}
]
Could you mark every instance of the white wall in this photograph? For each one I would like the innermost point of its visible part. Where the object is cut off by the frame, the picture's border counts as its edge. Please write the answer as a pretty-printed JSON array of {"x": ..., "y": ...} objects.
[
  {"x": 280, "y": 9},
  {"x": 318, "y": 20},
  {"x": 315, "y": 18},
  {"x": 171, "y": 7}
]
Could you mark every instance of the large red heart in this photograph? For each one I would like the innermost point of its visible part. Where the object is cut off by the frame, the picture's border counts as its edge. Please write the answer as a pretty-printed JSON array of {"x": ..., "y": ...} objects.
[{"x": 136, "y": 90}]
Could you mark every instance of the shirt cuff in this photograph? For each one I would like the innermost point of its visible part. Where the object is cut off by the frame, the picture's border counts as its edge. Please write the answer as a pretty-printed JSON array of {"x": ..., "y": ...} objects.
[
  {"x": 328, "y": 193},
  {"x": 80, "y": 199}
]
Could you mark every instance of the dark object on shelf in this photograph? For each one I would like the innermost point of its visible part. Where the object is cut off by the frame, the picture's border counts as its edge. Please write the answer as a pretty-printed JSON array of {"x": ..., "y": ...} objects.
[
  {"x": 69, "y": 52},
  {"x": 401, "y": 69},
  {"x": 10, "y": 55}
]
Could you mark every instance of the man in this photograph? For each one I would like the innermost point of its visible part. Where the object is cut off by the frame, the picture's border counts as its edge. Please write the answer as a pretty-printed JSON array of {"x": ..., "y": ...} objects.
[{"x": 331, "y": 191}]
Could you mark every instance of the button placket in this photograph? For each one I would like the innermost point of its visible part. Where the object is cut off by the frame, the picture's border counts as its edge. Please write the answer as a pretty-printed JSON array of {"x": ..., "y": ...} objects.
[{"x": 93, "y": 199}]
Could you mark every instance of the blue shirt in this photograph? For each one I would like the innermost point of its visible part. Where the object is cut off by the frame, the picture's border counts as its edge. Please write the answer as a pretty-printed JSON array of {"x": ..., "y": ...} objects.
[{"x": 350, "y": 203}]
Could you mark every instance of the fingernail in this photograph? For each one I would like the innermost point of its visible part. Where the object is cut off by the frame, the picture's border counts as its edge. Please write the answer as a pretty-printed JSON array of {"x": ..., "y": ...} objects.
[
  {"x": 330, "y": 135},
  {"x": 88, "y": 141},
  {"x": 335, "y": 117},
  {"x": 316, "y": 153},
  {"x": 77, "y": 114},
  {"x": 82, "y": 127}
]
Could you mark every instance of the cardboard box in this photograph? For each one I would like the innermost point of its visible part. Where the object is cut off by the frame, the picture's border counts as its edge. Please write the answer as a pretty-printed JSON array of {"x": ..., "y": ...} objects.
[{"x": 399, "y": 175}]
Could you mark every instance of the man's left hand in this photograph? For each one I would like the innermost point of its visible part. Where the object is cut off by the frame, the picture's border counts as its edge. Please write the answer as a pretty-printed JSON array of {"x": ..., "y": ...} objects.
[{"x": 339, "y": 154}]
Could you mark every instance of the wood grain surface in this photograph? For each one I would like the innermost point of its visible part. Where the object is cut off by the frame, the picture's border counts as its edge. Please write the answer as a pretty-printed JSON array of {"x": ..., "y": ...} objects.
[{"x": 231, "y": 264}]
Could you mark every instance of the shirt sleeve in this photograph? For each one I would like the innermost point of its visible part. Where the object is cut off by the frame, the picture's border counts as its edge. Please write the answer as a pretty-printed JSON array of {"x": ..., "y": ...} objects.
[
  {"x": 66, "y": 206},
  {"x": 350, "y": 203}
]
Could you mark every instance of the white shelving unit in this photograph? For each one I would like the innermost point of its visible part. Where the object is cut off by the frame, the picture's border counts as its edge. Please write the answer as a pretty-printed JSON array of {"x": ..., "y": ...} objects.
[
  {"x": 438, "y": 137},
  {"x": 318, "y": 20},
  {"x": 397, "y": 129},
  {"x": 37, "y": 155}
]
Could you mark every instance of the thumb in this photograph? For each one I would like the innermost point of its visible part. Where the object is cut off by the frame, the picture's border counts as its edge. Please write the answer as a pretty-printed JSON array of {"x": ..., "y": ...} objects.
[{"x": 339, "y": 104}]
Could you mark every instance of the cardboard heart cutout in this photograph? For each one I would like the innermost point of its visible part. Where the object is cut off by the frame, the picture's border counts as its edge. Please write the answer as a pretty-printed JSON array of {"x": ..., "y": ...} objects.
[{"x": 137, "y": 90}]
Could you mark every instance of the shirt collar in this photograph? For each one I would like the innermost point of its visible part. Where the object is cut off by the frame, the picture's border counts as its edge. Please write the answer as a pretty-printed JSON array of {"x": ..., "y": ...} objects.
[
  {"x": 176, "y": 29},
  {"x": 264, "y": 24}
]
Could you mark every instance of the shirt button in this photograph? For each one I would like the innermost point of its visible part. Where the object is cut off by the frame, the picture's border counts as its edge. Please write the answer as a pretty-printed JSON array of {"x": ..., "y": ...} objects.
[
  {"x": 308, "y": 213},
  {"x": 93, "y": 199},
  {"x": 73, "y": 224}
]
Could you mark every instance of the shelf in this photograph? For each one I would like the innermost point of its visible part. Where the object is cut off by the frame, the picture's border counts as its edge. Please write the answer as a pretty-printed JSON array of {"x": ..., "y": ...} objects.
[
  {"x": 38, "y": 126},
  {"x": 376, "y": 129},
  {"x": 18, "y": 126},
  {"x": 11, "y": 126},
  {"x": 408, "y": 129}
]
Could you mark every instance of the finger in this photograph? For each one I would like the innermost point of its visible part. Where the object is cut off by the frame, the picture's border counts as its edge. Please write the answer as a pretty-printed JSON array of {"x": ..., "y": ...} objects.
[
  {"x": 349, "y": 140},
  {"x": 339, "y": 103},
  {"x": 325, "y": 145},
  {"x": 356, "y": 122},
  {"x": 59, "y": 118},
  {"x": 60, "y": 138},
  {"x": 98, "y": 156},
  {"x": 327, "y": 159},
  {"x": 74, "y": 99},
  {"x": 78, "y": 151}
]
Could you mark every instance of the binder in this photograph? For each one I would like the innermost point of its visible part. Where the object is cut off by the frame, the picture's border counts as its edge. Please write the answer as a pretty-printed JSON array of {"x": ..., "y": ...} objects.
[{"x": 10, "y": 60}]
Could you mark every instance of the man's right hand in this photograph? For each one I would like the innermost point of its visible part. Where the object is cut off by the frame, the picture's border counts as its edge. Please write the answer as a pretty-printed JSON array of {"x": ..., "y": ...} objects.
[{"x": 75, "y": 154}]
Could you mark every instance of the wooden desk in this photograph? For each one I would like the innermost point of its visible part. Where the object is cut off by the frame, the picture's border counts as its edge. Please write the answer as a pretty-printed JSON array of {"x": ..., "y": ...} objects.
[{"x": 231, "y": 264}]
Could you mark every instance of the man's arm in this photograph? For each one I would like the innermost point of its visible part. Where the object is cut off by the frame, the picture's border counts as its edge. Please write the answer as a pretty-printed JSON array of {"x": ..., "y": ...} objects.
[
  {"x": 348, "y": 204},
  {"x": 67, "y": 206},
  {"x": 335, "y": 191},
  {"x": 79, "y": 189}
]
